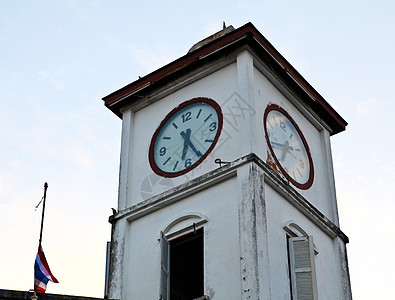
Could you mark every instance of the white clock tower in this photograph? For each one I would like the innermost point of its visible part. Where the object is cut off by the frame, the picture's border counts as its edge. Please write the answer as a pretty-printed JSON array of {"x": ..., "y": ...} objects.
[{"x": 226, "y": 187}]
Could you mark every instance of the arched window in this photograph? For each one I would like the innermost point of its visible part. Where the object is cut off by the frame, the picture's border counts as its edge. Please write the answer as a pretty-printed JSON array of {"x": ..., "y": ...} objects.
[
  {"x": 182, "y": 258},
  {"x": 301, "y": 252}
]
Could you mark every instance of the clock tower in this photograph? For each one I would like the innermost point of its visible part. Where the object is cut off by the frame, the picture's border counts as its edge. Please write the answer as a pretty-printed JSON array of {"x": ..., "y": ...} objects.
[{"x": 226, "y": 185}]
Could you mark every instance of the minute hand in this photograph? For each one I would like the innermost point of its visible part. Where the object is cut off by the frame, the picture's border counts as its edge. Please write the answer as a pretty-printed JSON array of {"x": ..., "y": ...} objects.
[
  {"x": 189, "y": 143},
  {"x": 281, "y": 145}
]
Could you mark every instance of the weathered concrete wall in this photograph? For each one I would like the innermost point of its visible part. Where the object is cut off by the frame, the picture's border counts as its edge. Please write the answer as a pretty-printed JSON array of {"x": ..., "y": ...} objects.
[
  {"x": 321, "y": 193},
  {"x": 243, "y": 209},
  {"x": 245, "y": 243},
  {"x": 221, "y": 243},
  {"x": 281, "y": 211},
  {"x": 243, "y": 92}
]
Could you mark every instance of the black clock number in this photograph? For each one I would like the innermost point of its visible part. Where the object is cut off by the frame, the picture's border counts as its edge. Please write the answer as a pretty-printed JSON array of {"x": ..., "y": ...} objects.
[
  {"x": 188, "y": 163},
  {"x": 186, "y": 117},
  {"x": 282, "y": 125},
  {"x": 301, "y": 163},
  {"x": 162, "y": 151},
  {"x": 213, "y": 126}
]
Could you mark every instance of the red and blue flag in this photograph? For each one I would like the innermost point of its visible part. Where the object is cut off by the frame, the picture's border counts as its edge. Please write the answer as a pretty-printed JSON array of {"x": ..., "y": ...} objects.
[{"x": 42, "y": 272}]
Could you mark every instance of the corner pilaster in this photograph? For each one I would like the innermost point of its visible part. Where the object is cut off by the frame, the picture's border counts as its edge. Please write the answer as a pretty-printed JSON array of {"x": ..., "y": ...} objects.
[
  {"x": 245, "y": 79},
  {"x": 254, "y": 262},
  {"x": 126, "y": 150}
]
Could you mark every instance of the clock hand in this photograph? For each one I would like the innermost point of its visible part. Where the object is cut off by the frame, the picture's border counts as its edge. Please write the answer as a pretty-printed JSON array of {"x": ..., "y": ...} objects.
[
  {"x": 281, "y": 145},
  {"x": 276, "y": 144},
  {"x": 285, "y": 150},
  {"x": 184, "y": 150},
  {"x": 186, "y": 137},
  {"x": 288, "y": 149},
  {"x": 292, "y": 154}
]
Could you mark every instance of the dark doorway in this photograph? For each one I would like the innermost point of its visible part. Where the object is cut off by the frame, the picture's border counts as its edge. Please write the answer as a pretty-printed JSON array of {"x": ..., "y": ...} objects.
[{"x": 186, "y": 266}]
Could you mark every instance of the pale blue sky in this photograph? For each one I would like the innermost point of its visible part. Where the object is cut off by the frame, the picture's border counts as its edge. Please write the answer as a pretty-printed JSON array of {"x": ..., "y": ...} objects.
[{"x": 59, "y": 58}]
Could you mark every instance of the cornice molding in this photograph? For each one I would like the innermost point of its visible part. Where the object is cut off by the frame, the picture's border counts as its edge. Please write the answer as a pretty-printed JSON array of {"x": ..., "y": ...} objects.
[{"x": 223, "y": 173}]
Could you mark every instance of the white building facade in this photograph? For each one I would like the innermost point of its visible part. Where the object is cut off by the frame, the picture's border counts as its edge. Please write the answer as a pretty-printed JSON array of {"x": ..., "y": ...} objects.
[{"x": 240, "y": 213}]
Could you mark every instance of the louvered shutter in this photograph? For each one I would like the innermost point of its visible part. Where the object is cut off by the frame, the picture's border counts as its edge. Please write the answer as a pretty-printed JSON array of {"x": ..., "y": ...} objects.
[
  {"x": 303, "y": 281},
  {"x": 164, "y": 268}
]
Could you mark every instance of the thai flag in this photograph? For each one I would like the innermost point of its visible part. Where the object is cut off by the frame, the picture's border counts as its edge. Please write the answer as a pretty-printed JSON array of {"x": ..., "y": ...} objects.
[{"x": 42, "y": 272}]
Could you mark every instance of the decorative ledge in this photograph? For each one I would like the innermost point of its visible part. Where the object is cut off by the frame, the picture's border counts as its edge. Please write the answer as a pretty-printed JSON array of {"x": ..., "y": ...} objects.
[{"x": 221, "y": 174}]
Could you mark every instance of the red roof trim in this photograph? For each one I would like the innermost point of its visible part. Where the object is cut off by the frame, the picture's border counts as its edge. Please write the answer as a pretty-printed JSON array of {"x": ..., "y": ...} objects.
[
  {"x": 297, "y": 77},
  {"x": 173, "y": 66},
  {"x": 246, "y": 31}
]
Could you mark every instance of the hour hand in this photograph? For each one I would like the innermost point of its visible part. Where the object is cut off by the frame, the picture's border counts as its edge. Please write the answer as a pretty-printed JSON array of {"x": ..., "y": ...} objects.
[
  {"x": 187, "y": 143},
  {"x": 286, "y": 149}
]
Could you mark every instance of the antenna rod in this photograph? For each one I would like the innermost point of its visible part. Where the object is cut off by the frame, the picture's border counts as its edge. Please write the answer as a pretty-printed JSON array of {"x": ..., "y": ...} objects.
[{"x": 42, "y": 216}]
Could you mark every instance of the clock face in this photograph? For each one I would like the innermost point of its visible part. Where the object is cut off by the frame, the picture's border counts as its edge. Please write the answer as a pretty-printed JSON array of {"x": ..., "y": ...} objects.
[
  {"x": 288, "y": 147},
  {"x": 185, "y": 137}
]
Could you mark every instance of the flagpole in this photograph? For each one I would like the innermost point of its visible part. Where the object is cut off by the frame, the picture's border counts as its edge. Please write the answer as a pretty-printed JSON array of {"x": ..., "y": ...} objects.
[
  {"x": 42, "y": 216},
  {"x": 34, "y": 296},
  {"x": 42, "y": 272}
]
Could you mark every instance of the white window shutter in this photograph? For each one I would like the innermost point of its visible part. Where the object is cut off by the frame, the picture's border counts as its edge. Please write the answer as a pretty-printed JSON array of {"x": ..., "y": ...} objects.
[
  {"x": 302, "y": 266},
  {"x": 164, "y": 268}
]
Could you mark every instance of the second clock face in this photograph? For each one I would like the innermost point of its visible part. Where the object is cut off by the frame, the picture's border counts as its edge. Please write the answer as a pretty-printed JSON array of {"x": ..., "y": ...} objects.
[
  {"x": 288, "y": 147},
  {"x": 185, "y": 137}
]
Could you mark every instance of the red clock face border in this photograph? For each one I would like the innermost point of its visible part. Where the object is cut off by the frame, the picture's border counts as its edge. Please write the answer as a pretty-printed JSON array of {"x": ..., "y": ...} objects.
[
  {"x": 309, "y": 182},
  {"x": 151, "y": 159}
]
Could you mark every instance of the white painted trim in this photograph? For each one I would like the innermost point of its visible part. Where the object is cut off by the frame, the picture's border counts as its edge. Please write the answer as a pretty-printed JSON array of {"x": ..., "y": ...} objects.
[
  {"x": 245, "y": 88},
  {"x": 328, "y": 161},
  {"x": 294, "y": 230},
  {"x": 124, "y": 168},
  {"x": 196, "y": 224}
]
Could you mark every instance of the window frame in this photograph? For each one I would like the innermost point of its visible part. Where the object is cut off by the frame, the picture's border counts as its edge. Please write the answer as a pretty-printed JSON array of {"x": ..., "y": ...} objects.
[
  {"x": 191, "y": 222},
  {"x": 302, "y": 261},
  {"x": 302, "y": 267},
  {"x": 164, "y": 289}
]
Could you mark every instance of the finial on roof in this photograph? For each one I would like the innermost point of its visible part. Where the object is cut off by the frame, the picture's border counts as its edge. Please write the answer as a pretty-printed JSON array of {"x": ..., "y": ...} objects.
[{"x": 213, "y": 37}]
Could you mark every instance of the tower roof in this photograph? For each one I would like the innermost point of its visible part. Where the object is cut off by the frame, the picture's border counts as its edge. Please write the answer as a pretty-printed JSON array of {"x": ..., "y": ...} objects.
[{"x": 221, "y": 43}]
